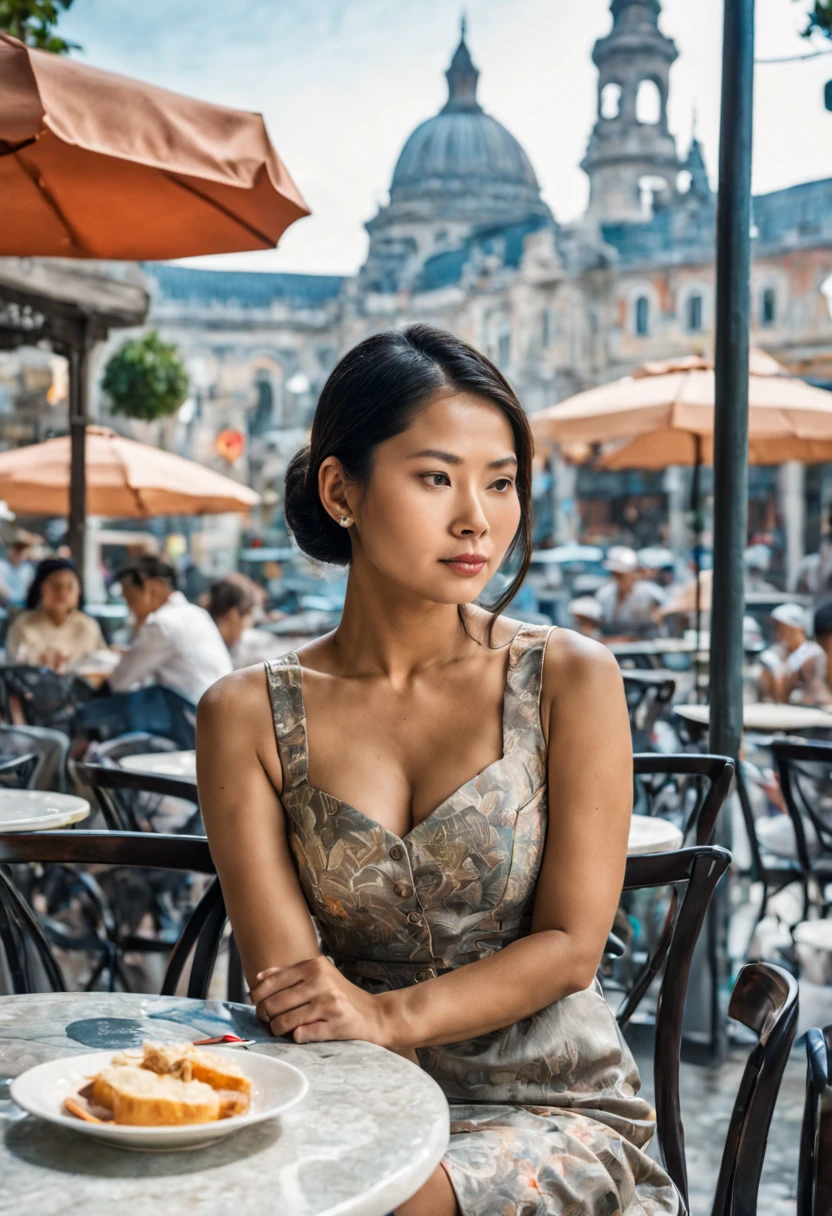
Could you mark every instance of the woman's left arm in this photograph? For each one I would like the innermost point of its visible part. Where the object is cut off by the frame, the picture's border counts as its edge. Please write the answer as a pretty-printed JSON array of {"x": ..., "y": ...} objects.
[{"x": 590, "y": 771}]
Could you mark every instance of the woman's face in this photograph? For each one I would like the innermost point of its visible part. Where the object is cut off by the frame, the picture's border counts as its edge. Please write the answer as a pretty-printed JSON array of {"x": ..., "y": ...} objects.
[
  {"x": 442, "y": 489},
  {"x": 60, "y": 593}
]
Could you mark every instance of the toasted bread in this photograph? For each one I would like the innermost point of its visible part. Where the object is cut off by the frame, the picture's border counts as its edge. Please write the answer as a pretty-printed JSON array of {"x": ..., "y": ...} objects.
[
  {"x": 143, "y": 1098},
  {"x": 232, "y": 1102},
  {"x": 187, "y": 1062}
]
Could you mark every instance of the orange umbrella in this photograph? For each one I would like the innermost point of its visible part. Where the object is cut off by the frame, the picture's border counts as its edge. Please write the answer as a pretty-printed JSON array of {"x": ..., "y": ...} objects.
[
  {"x": 665, "y": 412},
  {"x": 125, "y": 480},
  {"x": 95, "y": 165}
]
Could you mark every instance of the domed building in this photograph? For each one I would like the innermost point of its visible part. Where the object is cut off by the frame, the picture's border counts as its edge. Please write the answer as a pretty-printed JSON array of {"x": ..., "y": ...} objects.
[{"x": 459, "y": 171}]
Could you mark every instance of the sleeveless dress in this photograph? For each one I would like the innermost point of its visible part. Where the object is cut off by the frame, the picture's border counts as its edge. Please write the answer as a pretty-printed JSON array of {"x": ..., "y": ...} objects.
[{"x": 545, "y": 1114}]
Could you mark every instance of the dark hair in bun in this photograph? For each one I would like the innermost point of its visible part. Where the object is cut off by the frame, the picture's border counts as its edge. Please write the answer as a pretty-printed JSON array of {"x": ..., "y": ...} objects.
[{"x": 372, "y": 395}]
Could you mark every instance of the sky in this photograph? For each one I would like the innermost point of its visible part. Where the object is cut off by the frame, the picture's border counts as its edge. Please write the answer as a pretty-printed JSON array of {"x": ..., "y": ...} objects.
[{"x": 342, "y": 83}]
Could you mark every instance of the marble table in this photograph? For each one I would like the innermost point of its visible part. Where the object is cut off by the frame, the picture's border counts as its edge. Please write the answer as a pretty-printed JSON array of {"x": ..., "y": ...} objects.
[
  {"x": 369, "y": 1133},
  {"x": 163, "y": 764},
  {"x": 36, "y": 810},
  {"x": 651, "y": 835},
  {"x": 765, "y": 717}
]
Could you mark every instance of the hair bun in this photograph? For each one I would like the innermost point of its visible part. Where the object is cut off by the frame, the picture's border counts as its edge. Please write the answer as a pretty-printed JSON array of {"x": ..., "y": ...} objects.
[{"x": 317, "y": 533}]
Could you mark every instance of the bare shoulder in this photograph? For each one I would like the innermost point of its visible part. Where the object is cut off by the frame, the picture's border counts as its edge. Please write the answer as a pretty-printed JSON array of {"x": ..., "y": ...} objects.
[
  {"x": 236, "y": 706},
  {"x": 574, "y": 665}
]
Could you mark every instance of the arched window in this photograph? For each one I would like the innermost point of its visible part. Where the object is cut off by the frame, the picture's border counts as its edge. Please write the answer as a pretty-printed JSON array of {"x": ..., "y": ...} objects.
[
  {"x": 642, "y": 316},
  {"x": 768, "y": 306},
  {"x": 693, "y": 313},
  {"x": 610, "y": 100},
  {"x": 648, "y": 103}
]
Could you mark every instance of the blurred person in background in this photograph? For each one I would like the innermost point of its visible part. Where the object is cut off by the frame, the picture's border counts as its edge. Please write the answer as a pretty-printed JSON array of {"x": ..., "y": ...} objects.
[
  {"x": 234, "y": 604},
  {"x": 586, "y": 615},
  {"x": 16, "y": 570},
  {"x": 627, "y": 600},
  {"x": 823, "y": 634},
  {"x": 795, "y": 667},
  {"x": 757, "y": 560},
  {"x": 54, "y": 631},
  {"x": 177, "y": 643}
]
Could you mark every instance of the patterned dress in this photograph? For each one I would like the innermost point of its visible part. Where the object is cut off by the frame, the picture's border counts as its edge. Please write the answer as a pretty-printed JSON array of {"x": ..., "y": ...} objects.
[{"x": 545, "y": 1114}]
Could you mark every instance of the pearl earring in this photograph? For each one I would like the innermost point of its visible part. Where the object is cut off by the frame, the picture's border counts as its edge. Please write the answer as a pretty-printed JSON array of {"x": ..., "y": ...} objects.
[{"x": 345, "y": 521}]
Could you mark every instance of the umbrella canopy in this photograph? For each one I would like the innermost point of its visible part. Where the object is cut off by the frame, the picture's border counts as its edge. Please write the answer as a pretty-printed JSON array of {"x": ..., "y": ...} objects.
[
  {"x": 125, "y": 480},
  {"x": 95, "y": 165},
  {"x": 666, "y": 412}
]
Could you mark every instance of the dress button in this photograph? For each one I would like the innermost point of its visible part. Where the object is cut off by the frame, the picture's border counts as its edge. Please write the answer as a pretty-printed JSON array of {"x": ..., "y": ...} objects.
[
  {"x": 426, "y": 973},
  {"x": 413, "y": 918},
  {"x": 397, "y": 852},
  {"x": 402, "y": 889}
]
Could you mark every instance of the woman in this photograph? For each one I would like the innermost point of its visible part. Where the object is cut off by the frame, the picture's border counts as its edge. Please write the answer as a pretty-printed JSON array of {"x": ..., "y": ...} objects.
[
  {"x": 462, "y": 917},
  {"x": 53, "y": 631}
]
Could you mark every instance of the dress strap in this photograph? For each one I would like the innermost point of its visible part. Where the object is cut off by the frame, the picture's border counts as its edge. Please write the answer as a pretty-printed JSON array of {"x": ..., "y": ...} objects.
[
  {"x": 286, "y": 694},
  {"x": 522, "y": 727}
]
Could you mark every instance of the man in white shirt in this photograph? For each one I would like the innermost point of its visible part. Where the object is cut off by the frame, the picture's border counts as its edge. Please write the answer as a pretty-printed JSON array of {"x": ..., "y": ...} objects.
[
  {"x": 177, "y": 643},
  {"x": 627, "y": 599}
]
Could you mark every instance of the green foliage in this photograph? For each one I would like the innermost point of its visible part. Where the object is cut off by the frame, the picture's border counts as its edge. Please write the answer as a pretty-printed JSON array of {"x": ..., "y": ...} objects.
[
  {"x": 145, "y": 379},
  {"x": 819, "y": 19},
  {"x": 34, "y": 21}
]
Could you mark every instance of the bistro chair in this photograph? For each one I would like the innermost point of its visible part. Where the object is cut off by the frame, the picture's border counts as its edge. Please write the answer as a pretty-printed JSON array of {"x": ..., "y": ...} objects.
[
  {"x": 648, "y": 696},
  {"x": 814, "y": 1177},
  {"x": 773, "y": 873},
  {"x": 130, "y": 800},
  {"x": 765, "y": 1000},
  {"x": 26, "y": 941},
  {"x": 691, "y": 790},
  {"x": 695, "y": 872},
  {"x": 50, "y": 747},
  {"x": 43, "y": 697},
  {"x": 805, "y": 771}
]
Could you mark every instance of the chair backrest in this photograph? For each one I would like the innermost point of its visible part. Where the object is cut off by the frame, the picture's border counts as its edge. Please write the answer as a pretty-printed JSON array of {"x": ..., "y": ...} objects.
[
  {"x": 108, "y": 782},
  {"x": 765, "y": 999},
  {"x": 690, "y": 788},
  {"x": 802, "y": 791},
  {"x": 51, "y": 747},
  {"x": 16, "y": 772},
  {"x": 44, "y": 697},
  {"x": 22, "y": 935},
  {"x": 694, "y": 873},
  {"x": 814, "y": 1175},
  {"x": 647, "y": 693},
  {"x": 156, "y": 710}
]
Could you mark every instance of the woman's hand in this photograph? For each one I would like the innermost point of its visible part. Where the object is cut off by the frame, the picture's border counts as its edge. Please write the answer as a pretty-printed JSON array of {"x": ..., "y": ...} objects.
[{"x": 313, "y": 1002}]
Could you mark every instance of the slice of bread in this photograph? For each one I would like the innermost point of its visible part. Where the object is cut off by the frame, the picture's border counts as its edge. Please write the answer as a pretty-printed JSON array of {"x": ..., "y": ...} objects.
[
  {"x": 142, "y": 1098},
  {"x": 187, "y": 1062}
]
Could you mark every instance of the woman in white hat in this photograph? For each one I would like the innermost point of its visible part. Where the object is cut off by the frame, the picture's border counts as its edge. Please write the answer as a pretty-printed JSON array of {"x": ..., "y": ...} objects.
[{"x": 794, "y": 668}]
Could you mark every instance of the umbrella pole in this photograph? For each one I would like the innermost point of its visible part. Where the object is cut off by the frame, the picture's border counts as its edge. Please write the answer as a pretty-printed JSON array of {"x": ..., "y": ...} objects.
[
  {"x": 78, "y": 383},
  {"x": 696, "y": 504}
]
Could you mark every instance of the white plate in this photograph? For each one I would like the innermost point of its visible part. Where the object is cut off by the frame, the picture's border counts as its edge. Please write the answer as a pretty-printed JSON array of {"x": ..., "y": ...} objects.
[{"x": 275, "y": 1086}]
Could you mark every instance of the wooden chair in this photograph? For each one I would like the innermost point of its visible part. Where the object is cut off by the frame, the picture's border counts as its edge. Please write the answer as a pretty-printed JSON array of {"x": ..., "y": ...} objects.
[
  {"x": 694, "y": 873},
  {"x": 814, "y": 1178},
  {"x": 116, "y": 791},
  {"x": 765, "y": 999},
  {"x": 24, "y": 938},
  {"x": 51, "y": 747}
]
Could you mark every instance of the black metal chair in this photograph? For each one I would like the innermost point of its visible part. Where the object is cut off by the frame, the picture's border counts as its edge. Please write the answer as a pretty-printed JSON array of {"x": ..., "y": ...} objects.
[
  {"x": 128, "y": 799},
  {"x": 773, "y": 873},
  {"x": 814, "y": 1177},
  {"x": 51, "y": 747},
  {"x": 26, "y": 941},
  {"x": 804, "y": 770},
  {"x": 648, "y": 695},
  {"x": 695, "y": 873},
  {"x": 765, "y": 1000},
  {"x": 690, "y": 790},
  {"x": 43, "y": 697}
]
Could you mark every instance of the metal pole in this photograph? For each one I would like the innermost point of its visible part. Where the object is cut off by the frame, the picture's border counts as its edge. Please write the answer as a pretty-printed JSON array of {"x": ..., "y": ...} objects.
[
  {"x": 733, "y": 307},
  {"x": 78, "y": 385}
]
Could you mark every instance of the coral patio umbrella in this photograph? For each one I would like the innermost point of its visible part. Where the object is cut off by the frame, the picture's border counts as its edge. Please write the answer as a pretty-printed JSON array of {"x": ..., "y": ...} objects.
[
  {"x": 665, "y": 412},
  {"x": 125, "y": 479},
  {"x": 95, "y": 165}
]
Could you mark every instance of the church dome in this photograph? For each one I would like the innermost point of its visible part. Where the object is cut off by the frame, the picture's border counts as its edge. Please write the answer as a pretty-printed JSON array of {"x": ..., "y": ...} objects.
[{"x": 462, "y": 148}]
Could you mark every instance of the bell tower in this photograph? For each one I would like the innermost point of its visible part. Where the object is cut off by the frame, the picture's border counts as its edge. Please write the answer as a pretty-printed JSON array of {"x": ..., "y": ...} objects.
[{"x": 631, "y": 160}]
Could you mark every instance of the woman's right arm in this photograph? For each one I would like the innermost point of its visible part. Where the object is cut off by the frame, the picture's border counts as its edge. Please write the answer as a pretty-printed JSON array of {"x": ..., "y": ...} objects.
[{"x": 245, "y": 824}]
